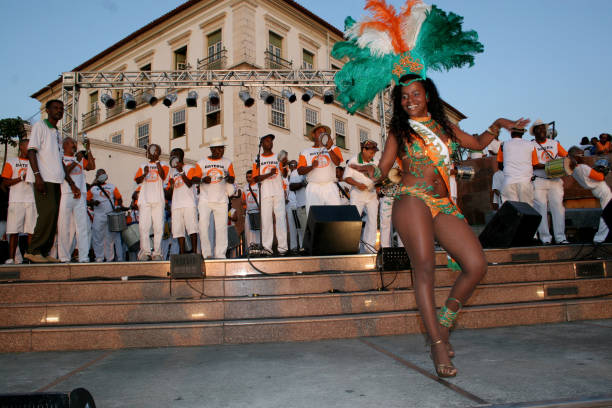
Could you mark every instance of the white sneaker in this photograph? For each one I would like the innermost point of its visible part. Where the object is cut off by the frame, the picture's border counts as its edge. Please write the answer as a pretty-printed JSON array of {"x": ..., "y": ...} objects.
[{"x": 9, "y": 262}]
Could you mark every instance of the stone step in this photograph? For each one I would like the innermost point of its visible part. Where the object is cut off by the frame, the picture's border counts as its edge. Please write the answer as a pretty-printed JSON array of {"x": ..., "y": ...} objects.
[
  {"x": 294, "y": 284},
  {"x": 288, "y": 329},
  {"x": 267, "y": 307},
  {"x": 241, "y": 267}
]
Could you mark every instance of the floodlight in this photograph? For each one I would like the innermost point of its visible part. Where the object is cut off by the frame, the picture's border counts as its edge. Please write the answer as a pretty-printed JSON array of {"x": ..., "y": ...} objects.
[
  {"x": 245, "y": 97},
  {"x": 130, "y": 102},
  {"x": 328, "y": 96},
  {"x": 107, "y": 100},
  {"x": 213, "y": 97},
  {"x": 192, "y": 99},
  {"x": 149, "y": 98},
  {"x": 288, "y": 94},
  {"x": 266, "y": 96},
  {"x": 306, "y": 96},
  {"x": 169, "y": 99}
]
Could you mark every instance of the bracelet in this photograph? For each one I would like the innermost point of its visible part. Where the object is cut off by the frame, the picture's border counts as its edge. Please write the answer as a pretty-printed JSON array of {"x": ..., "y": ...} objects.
[
  {"x": 36, "y": 172},
  {"x": 377, "y": 172},
  {"x": 494, "y": 133}
]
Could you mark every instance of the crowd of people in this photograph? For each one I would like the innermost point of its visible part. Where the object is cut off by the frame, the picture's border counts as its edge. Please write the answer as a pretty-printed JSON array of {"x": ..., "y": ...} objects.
[{"x": 178, "y": 207}]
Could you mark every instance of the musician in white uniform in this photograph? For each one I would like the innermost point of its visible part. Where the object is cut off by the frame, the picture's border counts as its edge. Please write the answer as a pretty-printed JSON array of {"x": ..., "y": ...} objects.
[
  {"x": 268, "y": 173},
  {"x": 548, "y": 191},
  {"x": 151, "y": 203},
  {"x": 180, "y": 188},
  {"x": 102, "y": 196},
  {"x": 363, "y": 193},
  {"x": 73, "y": 210},
  {"x": 595, "y": 181},
  {"x": 250, "y": 196},
  {"x": 319, "y": 163},
  {"x": 214, "y": 172},
  {"x": 518, "y": 158}
]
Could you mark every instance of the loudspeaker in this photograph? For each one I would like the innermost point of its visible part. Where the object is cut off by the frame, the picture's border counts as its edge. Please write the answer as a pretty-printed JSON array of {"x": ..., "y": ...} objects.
[
  {"x": 514, "y": 224},
  {"x": 606, "y": 214},
  {"x": 392, "y": 259},
  {"x": 77, "y": 398},
  {"x": 332, "y": 230},
  {"x": 186, "y": 266}
]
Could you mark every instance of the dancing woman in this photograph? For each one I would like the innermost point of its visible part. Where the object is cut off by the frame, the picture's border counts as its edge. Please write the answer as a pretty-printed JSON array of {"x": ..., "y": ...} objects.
[{"x": 401, "y": 48}]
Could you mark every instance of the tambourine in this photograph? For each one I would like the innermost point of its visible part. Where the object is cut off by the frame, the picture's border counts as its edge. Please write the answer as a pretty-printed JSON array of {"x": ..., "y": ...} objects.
[
  {"x": 282, "y": 155},
  {"x": 602, "y": 166},
  {"x": 391, "y": 184},
  {"x": 174, "y": 161},
  {"x": 151, "y": 150}
]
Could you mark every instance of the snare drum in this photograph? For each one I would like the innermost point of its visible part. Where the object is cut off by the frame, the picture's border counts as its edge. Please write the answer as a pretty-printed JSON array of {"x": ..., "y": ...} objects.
[
  {"x": 131, "y": 237},
  {"x": 558, "y": 168},
  {"x": 116, "y": 221}
]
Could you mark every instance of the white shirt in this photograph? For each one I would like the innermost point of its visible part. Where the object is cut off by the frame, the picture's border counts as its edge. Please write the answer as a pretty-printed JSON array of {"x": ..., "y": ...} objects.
[
  {"x": 325, "y": 172},
  {"x": 273, "y": 185},
  {"x": 21, "y": 192},
  {"x": 518, "y": 156},
  {"x": 547, "y": 151},
  {"x": 251, "y": 195},
  {"x": 95, "y": 193},
  {"x": 46, "y": 140},
  {"x": 493, "y": 146},
  {"x": 182, "y": 196},
  {"x": 152, "y": 190},
  {"x": 216, "y": 191},
  {"x": 300, "y": 195},
  {"x": 77, "y": 174},
  {"x": 582, "y": 173},
  {"x": 357, "y": 194},
  {"x": 497, "y": 184}
]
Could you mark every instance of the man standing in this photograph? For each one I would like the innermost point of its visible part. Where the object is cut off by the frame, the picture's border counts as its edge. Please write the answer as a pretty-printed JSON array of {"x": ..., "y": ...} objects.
[
  {"x": 214, "y": 172},
  {"x": 250, "y": 196},
  {"x": 268, "y": 174},
  {"x": 319, "y": 163},
  {"x": 518, "y": 157},
  {"x": 21, "y": 216},
  {"x": 151, "y": 203},
  {"x": 183, "y": 211},
  {"x": 297, "y": 187},
  {"x": 363, "y": 193},
  {"x": 103, "y": 197},
  {"x": 548, "y": 191},
  {"x": 73, "y": 210},
  {"x": 47, "y": 173}
]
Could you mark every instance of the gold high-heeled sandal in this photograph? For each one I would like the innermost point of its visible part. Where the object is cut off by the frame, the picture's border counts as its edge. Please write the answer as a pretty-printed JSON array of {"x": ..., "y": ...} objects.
[{"x": 442, "y": 370}]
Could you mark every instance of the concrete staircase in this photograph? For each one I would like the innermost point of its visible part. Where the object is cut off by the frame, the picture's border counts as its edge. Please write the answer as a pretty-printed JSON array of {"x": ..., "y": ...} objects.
[{"x": 120, "y": 305}]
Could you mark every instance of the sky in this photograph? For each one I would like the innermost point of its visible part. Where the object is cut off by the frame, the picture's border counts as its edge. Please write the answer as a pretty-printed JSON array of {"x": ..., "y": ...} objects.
[{"x": 546, "y": 59}]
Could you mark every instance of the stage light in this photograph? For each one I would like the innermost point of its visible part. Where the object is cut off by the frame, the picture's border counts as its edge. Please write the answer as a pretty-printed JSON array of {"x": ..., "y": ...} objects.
[
  {"x": 130, "y": 102},
  {"x": 192, "y": 99},
  {"x": 213, "y": 97},
  {"x": 245, "y": 97},
  {"x": 169, "y": 99},
  {"x": 288, "y": 94},
  {"x": 306, "y": 96},
  {"x": 266, "y": 96},
  {"x": 328, "y": 96},
  {"x": 107, "y": 100},
  {"x": 149, "y": 98}
]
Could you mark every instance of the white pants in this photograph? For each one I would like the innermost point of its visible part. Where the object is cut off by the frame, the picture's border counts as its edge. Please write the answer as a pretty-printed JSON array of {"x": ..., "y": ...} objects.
[
  {"x": 386, "y": 229},
  {"x": 549, "y": 193},
  {"x": 322, "y": 194},
  {"x": 151, "y": 213},
  {"x": 21, "y": 218},
  {"x": 292, "y": 226},
  {"x": 368, "y": 236},
  {"x": 276, "y": 205},
  {"x": 602, "y": 192},
  {"x": 220, "y": 214},
  {"x": 72, "y": 210},
  {"x": 251, "y": 235},
  {"x": 522, "y": 192},
  {"x": 105, "y": 242}
]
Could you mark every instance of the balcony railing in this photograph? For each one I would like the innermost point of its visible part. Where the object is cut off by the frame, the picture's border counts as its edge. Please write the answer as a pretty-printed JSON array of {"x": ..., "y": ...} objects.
[
  {"x": 276, "y": 62},
  {"x": 217, "y": 60},
  {"x": 91, "y": 118}
]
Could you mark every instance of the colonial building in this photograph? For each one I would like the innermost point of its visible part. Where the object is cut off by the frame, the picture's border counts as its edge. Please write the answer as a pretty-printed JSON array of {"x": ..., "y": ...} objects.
[{"x": 210, "y": 35}]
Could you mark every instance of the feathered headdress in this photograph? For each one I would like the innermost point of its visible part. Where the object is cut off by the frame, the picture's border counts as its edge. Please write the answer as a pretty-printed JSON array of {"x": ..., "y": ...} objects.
[{"x": 389, "y": 45}]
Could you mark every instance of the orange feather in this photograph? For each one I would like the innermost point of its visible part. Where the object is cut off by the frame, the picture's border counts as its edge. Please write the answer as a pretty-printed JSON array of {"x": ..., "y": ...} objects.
[{"x": 385, "y": 18}]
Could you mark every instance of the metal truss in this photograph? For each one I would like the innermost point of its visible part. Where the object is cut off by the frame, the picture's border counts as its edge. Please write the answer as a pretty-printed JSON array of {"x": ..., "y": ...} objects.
[{"x": 194, "y": 79}]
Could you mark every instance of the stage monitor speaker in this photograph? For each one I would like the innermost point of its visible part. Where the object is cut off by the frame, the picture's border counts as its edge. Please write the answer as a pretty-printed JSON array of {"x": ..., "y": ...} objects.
[
  {"x": 514, "y": 224},
  {"x": 332, "y": 230},
  {"x": 606, "y": 214},
  {"x": 392, "y": 259},
  {"x": 186, "y": 266},
  {"x": 77, "y": 398}
]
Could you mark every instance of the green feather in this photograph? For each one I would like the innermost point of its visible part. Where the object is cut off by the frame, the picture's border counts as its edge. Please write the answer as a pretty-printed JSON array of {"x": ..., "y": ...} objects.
[{"x": 442, "y": 43}]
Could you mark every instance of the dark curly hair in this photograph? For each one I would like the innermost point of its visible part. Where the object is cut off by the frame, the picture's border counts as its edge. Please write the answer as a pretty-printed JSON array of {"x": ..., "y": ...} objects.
[{"x": 399, "y": 122}]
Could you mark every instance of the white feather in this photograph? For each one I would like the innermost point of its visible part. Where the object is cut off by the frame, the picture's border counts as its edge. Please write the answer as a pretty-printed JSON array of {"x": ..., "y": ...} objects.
[
  {"x": 411, "y": 26},
  {"x": 379, "y": 42}
]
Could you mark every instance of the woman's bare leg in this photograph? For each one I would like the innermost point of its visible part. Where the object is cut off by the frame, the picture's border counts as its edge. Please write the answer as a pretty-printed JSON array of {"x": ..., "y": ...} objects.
[
  {"x": 458, "y": 239},
  {"x": 412, "y": 219}
]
